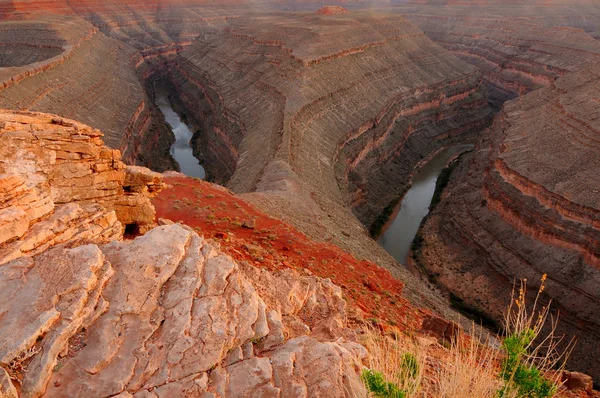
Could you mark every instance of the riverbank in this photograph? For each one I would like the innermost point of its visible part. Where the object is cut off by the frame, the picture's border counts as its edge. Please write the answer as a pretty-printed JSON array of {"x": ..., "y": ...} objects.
[{"x": 403, "y": 225}]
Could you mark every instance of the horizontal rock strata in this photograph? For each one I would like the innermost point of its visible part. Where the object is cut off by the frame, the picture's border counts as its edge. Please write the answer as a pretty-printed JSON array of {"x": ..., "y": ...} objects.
[
  {"x": 528, "y": 204},
  {"x": 59, "y": 184},
  {"x": 312, "y": 129},
  {"x": 519, "y": 48}
]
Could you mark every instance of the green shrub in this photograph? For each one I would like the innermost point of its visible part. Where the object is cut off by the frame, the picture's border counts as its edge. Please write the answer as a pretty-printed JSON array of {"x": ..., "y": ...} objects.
[
  {"x": 379, "y": 387},
  {"x": 527, "y": 380},
  {"x": 407, "y": 376}
]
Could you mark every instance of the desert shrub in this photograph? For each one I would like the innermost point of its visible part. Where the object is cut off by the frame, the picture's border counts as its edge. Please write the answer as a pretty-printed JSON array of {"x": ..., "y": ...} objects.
[
  {"x": 378, "y": 386},
  {"x": 525, "y": 362},
  {"x": 394, "y": 365},
  {"x": 533, "y": 360}
]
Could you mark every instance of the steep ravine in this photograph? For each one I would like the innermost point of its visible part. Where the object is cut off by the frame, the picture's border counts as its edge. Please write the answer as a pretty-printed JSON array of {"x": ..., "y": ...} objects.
[{"x": 526, "y": 204}]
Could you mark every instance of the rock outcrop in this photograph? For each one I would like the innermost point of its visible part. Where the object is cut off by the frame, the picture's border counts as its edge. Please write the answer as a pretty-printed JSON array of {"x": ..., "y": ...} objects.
[
  {"x": 60, "y": 185},
  {"x": 527, "y": 203},
  {"x": 166, "y": 314}
]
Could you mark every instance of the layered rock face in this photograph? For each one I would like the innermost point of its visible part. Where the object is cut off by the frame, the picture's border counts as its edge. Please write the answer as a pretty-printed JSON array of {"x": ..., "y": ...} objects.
[
  {"x": 275, "y": 113},
  {"x": 527, "y": 203},
  {"x": 65, "y": 65},
  {"x": 164, "y": 315},
  {"x": 61, "y": 185},
  {"x": 519, "y": 48}
]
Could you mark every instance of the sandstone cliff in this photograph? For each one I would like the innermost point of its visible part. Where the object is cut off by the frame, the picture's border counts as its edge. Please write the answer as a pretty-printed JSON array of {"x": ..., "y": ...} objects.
[
  {"x": 526, "y": 204},
  {"x": 61, "y": 185}
]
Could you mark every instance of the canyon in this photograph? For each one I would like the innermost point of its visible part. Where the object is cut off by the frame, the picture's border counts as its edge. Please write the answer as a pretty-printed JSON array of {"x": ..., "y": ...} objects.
[
  {"x": 321, "y": 118},
  {"x": 525, "y": 204},
  {"x": 87, "y": 309},
  {"x": 402, "y": 95},
  {"x": 520, "y": 47}
]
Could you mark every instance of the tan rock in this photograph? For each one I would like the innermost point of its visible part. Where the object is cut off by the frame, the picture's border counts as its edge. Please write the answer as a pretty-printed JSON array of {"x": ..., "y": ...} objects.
[
  {"x": 160, "y": 316},
  {"x": 7, "y": 389},
  {"x": 48, "y": 163},
  {"x": 50, "y": 296},
  {"x": 13, "y": 224},
  {"x": 70, "y": 223}
]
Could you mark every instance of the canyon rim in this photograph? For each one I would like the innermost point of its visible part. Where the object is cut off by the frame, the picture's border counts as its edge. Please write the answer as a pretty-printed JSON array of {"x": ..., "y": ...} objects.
[{"x": 312, "y": 124}]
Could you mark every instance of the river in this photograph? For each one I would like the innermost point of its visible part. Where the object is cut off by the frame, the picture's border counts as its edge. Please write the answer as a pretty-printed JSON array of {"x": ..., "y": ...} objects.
[
  {"x": 400, "y": 233},
  {"x": 181, "y": 149}
]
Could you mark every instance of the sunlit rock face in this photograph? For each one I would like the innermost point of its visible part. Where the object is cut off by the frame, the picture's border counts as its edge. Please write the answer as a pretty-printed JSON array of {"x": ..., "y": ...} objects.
[
  {"x": 88, "y": 310},
  {"x": 527, "y": 203}
]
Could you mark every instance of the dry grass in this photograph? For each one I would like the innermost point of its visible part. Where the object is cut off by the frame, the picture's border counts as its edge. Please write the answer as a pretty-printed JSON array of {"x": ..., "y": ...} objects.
[
  {"x": 388, "y": 353},
  {"x": 471, "y": 367},
  {"x": 544, "y": 351}
]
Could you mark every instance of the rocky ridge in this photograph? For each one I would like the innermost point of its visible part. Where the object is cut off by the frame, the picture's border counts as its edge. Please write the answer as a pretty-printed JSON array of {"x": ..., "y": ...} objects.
[
  {"x": 527, "y": 204},
  {"x": 61, "y": 185},
  {"x": 166, "y": 314}
]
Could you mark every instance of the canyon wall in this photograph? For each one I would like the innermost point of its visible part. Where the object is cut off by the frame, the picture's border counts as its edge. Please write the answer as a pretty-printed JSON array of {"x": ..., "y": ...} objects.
[
  {"x": 84, "y": 75},
  {"x": 527, "y": 203},
  {"x": 518, "y": 48},
  {"x": 276, "y": 114},
  {"x": 87, "y": 310},
  {"x": 264, "y": 94}
]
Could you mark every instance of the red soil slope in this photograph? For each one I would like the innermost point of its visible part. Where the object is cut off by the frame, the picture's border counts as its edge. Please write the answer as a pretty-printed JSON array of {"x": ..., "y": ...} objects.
[{"x": 249, "y": 235}]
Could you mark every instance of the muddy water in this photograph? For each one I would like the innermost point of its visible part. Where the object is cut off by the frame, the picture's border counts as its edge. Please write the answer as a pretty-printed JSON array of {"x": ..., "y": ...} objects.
[
  {"x": 181, "y": 149},
  {"x": 400, "y": 233}
]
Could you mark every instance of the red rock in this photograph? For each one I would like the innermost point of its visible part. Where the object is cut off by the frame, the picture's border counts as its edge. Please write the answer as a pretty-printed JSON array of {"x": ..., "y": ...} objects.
[
  {"x": 577, "y": 381},
  {"x": 332, "y": 10},
  {"x": 526, "y": 205},
  {"x": 441, "y": 328}
]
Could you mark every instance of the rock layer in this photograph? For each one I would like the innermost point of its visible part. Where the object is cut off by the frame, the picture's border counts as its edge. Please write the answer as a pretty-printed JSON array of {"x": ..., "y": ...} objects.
[
  {"x": 59, "y": 184},
  {"x": 519, "y": 48},
  {"x": 527, "y": 204},
  {"x": 311, "y": 129},
  {"x": 166, "y": 314}
]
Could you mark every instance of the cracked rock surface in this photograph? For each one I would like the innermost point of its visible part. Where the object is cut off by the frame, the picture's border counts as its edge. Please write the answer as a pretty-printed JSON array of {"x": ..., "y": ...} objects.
[
  {"x": 162, "y": 316},
  {"x": 59, "y": 184}
]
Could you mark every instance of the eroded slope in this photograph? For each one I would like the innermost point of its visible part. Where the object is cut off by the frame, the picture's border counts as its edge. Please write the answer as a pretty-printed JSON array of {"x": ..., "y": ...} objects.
[
  {"x": 277, "y": 115},
  {"x": 519, "y": 47},
  {"x": 85, "y": 312},
  {"x": 527, "y": 204}
]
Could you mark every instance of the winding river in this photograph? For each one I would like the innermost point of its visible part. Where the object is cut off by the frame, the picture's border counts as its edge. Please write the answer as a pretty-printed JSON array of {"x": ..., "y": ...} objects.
[
  {"x": 181, "y": 149},
  {"x": 400, "y": 233}
]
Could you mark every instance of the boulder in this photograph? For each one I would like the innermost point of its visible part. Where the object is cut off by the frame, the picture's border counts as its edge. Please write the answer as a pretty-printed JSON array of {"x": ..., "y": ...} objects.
[
  {"x": 577, "y": 381},
  {"x": 440, "y": 327}
]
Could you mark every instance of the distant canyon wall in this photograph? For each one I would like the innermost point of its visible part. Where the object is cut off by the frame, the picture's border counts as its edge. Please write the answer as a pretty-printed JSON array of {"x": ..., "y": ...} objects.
[
  {"x": 519, "y": 48},
  {"x": 275, "y": 113},
  {"x": 527, "y": 203}
]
